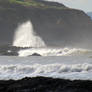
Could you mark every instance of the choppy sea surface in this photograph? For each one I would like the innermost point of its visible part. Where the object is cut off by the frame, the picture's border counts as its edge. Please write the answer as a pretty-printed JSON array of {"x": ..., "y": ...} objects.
[{"x": 71, "y": 64}]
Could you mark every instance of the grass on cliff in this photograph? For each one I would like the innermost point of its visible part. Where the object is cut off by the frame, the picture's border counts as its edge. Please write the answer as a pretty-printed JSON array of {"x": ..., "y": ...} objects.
[
  {"x": 34, "y": 4},
  {"x": 26, "y": 2}
]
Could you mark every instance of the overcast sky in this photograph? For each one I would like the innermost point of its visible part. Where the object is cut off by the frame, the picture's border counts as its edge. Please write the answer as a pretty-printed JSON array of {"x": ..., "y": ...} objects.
[{"x": 85, "y": 5}]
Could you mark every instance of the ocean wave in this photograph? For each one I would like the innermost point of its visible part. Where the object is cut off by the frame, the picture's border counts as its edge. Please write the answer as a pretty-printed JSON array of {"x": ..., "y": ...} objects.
[
  {"x": 54, "y": 51},
  {"x": 75, "y": 71}
]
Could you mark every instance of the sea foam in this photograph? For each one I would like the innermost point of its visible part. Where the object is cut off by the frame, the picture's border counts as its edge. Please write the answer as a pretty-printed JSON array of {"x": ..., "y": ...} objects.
[
  {"x": 54, "y": 51},
  {"x": 66, "y": 71}
]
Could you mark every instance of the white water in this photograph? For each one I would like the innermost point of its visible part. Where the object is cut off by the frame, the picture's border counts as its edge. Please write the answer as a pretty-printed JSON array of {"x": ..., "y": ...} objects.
[
  {"x": 55, "y": 52},
  {"x": 73, "y": 63},
  {"x": 26, "y": 37},
  {"x": 75, "y": 71},
  {"x": 67, "y": 67}
]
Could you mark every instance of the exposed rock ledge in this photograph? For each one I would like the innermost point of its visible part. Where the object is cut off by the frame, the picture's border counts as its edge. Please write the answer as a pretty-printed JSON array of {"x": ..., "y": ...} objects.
[{"x": 44, "y": 84}]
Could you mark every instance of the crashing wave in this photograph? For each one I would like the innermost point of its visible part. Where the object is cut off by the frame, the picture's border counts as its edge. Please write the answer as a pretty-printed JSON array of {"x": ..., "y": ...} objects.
[
  {"x": 26, "y": 37},
  {"x": 66, "y": 71},
  {"x": 54, "y": 51}
]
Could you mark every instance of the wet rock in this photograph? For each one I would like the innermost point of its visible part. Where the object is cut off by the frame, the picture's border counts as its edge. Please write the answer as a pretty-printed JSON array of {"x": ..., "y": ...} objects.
[
  {"x": 35, "y": 54},
  {"x": 45, "y": 84}
]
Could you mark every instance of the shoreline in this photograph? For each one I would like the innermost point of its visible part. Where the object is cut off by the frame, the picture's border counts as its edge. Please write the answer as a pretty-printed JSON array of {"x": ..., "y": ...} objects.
[{"x": 45, "y": 84}]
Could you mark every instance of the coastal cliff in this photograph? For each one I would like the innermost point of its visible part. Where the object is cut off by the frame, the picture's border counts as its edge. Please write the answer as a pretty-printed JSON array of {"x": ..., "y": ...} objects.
[{"x": 57, "y": 24}]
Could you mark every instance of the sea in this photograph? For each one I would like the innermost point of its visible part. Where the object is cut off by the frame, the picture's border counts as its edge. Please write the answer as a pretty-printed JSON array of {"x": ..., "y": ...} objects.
[
  {"x": 72, "y": 64},
  {"x": 42, "y": 60}
]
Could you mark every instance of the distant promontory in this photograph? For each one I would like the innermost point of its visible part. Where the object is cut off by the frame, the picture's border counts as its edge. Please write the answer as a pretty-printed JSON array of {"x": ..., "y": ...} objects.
[{"x": 57, "y": 24}]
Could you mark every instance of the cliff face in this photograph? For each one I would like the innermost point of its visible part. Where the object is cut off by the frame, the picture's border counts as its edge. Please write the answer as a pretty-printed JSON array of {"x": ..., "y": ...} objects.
[
  {"x": 90, "y": 14},
  {"x": 55, "y": 23}
]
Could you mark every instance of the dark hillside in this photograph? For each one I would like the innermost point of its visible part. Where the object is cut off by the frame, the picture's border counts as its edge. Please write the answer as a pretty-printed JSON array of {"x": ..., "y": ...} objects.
[
  {"x": 90, "y": 14},
  {"x": 55, "y": 23}
]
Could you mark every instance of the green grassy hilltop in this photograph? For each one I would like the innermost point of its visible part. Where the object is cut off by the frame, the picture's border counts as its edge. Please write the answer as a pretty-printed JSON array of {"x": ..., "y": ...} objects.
[
  {"x": 35, "y": 3},
  {"x": 27, "y": 2}
]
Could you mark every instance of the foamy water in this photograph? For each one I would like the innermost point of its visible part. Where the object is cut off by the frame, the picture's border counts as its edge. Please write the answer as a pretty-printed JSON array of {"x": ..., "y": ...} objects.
[
  {"x": 65, "y": 67},
  {"x": 75, "y": 71},
  {"x": 54, "y": 51},
  {"x": 73, "y": 63}
]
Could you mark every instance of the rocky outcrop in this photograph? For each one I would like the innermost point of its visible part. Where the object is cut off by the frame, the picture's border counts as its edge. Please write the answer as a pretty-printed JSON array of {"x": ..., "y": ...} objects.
[
  {"x": 43, "y": 84},
  {"x": 90, "y": 14},
  {"x": 35, "y": 54},
  {"x": 55, "y": 23}
]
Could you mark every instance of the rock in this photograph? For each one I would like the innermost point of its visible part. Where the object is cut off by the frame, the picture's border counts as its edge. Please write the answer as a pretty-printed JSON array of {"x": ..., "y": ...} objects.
[
  {"x": 90, "y": 14},
  {"x": 45, "y": 84},
  {"x": 35, "y": 54},
  {"x": 10, "y": 53}
]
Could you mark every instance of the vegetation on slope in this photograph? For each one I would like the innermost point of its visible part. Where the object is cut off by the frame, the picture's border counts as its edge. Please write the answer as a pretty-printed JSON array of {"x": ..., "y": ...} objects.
[
  {"x": 26, "y": 3},
  {"x": 36, "y": 3}
]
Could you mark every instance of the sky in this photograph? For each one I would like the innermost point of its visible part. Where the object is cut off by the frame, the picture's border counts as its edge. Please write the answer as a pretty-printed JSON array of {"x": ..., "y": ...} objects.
[{"x": 85, "y": 5}]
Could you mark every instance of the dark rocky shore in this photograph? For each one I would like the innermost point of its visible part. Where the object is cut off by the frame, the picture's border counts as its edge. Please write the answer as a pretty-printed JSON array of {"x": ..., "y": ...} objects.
[{"x": 45, "y": 84}]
